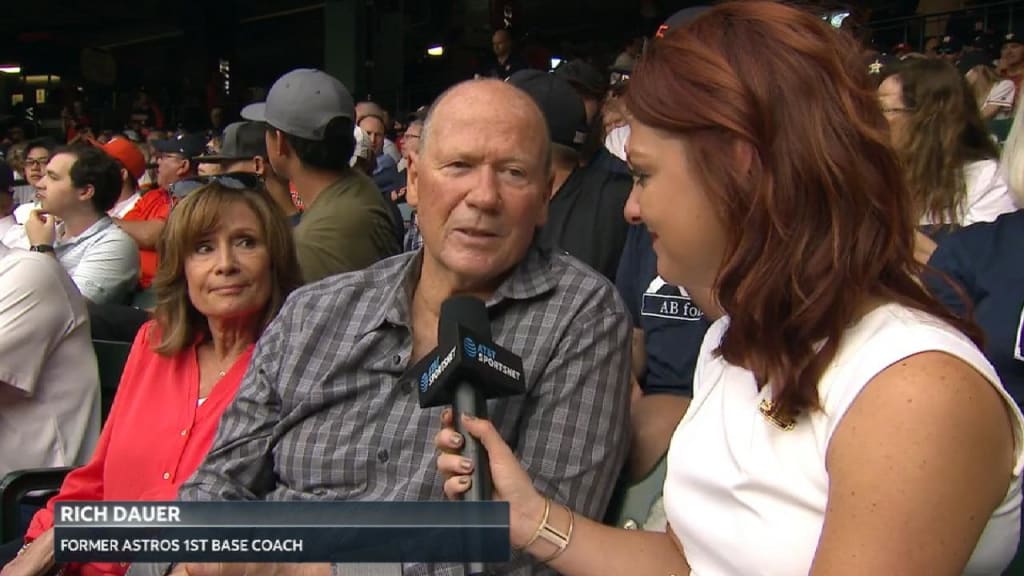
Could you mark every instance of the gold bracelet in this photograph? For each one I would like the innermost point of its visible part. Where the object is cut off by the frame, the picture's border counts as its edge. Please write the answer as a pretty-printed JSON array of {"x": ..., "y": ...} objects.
[
  {"x": 543, "y": 521},
  {"x": 557, "y": 538}
]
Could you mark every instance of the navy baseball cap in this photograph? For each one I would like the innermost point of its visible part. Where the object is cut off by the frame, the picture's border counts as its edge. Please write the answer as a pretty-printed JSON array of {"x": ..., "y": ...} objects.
[
  {"x": 187, "y": 145},
  {"x": 562, "y": 107},
  {"x": 1010, "y": 38},
  {"x": 240, "y": 141},
  {"x": 584, "y": 77},
  {"x": 949, "y": 45}
]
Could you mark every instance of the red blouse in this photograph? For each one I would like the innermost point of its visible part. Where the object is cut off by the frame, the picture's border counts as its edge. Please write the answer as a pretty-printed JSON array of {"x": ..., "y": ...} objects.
[{"x": 154, "y": 439}]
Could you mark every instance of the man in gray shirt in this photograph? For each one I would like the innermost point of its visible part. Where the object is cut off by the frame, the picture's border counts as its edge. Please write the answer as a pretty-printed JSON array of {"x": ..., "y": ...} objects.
[
  {"x": 328, "y": 409},
  {"x": 81, "y": 184}
]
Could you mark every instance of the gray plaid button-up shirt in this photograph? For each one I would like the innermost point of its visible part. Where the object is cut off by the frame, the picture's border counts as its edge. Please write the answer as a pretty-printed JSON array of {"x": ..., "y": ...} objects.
[{"x": 327, "y": 412}]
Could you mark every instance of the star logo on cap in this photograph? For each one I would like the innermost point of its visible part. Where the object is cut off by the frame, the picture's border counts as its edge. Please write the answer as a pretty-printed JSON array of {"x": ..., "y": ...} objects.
[{"x": 875, "y": 67}]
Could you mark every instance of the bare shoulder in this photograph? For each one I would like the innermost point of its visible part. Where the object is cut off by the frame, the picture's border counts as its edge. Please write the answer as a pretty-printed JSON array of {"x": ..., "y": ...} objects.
[
  {"x": 930, "y": 401},
  {"x": 917, "y": 466},
  {"x": 932, "y": 388}
]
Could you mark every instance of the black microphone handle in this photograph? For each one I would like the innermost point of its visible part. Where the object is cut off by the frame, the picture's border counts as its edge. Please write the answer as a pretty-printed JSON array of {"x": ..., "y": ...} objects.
[{"x": 467, "y": 400}]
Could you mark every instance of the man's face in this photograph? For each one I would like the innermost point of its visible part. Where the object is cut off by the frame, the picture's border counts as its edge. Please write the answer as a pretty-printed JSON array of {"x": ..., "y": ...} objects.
[
  {"x": 374, "y": 128},
  {"x": 57, "y": 194},
  {"x": 501, "y": 42},
  {"x": 482, "y": 184},
  {"x": 35, "y": 165},
  {"x": 1012, "y": 54},
  {"x": 411, "y": 139},
  {"x": 170, "y": 168}
]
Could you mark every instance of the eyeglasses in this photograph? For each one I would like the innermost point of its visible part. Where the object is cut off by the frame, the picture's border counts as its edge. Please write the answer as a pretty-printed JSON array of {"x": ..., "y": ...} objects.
[
  {"x": 233, "y": 180},
  {"x": 36, "y": 162}
]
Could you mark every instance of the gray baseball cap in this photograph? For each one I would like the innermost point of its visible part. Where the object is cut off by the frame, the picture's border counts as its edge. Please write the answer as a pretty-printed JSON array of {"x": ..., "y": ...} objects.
[
  {"x": 302, "y": 102},
  {"x": 241, "y": 141}
]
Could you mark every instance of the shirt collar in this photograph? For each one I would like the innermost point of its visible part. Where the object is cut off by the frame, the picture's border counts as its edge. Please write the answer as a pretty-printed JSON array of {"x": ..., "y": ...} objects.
[
  {"x": 97, "y": 227},
  {"x": 529, "y": 279}
]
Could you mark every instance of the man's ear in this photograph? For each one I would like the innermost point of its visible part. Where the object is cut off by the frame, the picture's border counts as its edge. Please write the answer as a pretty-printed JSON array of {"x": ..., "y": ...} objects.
[
  {"x": 186, "y": 168},
  {"x": 260, "y": 166},
  {"x": 412, "y": 169},
  {"x": 125, "y": 176},
  {"x": 279, "y": 144},
  {"x": 86, "y": 193},
  {"x": 542, "y": 211}
]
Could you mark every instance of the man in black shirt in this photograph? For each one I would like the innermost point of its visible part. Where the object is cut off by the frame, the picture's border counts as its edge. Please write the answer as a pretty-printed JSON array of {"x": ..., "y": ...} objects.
[
  {"x": 505, "y": 62},
  {"x": 585, "y": 215}
]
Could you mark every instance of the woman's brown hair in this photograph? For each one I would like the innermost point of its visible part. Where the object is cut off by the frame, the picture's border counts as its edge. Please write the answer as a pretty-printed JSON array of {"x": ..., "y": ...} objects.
[
  {"x": 821, "y": 223},
  {"x": 194, "y": 217},
  {"x": 943, "y": 132}
]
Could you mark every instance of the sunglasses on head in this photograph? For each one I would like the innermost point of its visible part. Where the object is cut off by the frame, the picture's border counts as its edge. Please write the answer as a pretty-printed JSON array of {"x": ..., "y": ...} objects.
[{"x": 234, "y": 180}]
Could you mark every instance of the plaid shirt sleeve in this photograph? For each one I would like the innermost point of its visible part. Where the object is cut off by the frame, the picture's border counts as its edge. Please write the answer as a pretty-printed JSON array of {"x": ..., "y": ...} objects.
[{"x": 573, "y": 441}]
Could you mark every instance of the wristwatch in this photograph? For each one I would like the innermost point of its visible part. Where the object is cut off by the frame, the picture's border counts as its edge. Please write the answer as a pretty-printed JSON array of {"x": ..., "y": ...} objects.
[{"x": 44, "y": 248}]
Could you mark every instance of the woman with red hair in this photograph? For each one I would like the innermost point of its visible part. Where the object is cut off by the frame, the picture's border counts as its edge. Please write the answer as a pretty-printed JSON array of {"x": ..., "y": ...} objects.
[{"x": 843, "y": 421}]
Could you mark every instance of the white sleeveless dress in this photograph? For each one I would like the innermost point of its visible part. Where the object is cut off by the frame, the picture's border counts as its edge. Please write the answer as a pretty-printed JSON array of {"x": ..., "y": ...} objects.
[{"x": 747, "y": 498}]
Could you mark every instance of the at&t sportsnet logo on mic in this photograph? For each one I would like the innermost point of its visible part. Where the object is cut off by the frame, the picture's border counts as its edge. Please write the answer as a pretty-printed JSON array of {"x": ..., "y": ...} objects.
[
  {"x": 437, "y": 367},
  {"x": 487, "y": 356}
]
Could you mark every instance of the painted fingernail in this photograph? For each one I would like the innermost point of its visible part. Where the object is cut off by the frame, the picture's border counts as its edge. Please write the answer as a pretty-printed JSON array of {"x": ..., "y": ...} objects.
[
  {"x": 468, "y": 417},
  {"x": 456, "y": 439},
  {"x": 464, "y": 480},
  {"x": 466, "y": 465}
]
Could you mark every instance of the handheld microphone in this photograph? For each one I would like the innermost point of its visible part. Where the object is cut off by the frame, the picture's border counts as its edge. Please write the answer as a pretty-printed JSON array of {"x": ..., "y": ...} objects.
[{"x": 466, "y": 369}]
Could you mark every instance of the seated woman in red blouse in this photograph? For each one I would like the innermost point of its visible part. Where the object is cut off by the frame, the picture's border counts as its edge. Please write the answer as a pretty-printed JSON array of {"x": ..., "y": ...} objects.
[{"x": 227, "y": 263}]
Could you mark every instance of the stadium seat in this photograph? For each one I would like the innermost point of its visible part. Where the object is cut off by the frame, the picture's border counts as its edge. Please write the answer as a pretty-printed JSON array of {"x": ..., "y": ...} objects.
[
  {"x": 144, "y": 299},
  {"x": 110, "y": 357},
  {"x": 34, "y": 487}
]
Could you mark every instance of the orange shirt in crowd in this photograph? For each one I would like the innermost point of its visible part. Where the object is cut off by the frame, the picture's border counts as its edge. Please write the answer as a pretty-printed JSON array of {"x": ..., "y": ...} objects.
[
  {"x": 153, "y": 205},
  {"x": 156, "y": 436}
]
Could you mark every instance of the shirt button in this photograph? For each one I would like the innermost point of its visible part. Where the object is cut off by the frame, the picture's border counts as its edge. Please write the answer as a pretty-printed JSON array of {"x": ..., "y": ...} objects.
[
  {"x": 184, "y": 432},
  {"x": 382, "y": 455},
  {"x": 167, "y": 475},
  {"x": 396, "y": 359},
  {"x": 406, "y": 386}
]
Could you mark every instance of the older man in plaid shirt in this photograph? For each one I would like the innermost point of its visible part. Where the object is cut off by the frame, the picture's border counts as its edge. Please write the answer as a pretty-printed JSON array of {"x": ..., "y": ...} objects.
[{"x": 328, "y": 409}]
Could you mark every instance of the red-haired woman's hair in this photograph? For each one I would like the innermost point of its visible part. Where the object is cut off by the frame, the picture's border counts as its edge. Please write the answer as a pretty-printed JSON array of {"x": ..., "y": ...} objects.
[{"x": 821, "y": 223}]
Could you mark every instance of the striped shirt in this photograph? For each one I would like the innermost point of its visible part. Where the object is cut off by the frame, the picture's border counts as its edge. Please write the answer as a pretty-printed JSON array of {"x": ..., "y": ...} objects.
[{"x": 328, "y": 412}]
